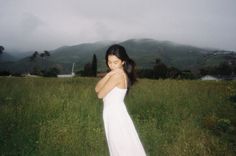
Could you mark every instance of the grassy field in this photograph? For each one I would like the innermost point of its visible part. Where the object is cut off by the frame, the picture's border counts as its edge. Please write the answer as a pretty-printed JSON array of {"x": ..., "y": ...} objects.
[{"x": 52, "y": 116}]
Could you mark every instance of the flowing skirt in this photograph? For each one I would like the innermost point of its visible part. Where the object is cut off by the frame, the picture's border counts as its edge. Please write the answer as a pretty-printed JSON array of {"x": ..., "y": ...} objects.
[{"x": 121, "y": 135}]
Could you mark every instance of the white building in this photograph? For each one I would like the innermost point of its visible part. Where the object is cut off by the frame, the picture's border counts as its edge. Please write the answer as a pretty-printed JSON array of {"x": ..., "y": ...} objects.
[
  {"x": 68, "y": 75},
  {"x": 209, "y": 77}
]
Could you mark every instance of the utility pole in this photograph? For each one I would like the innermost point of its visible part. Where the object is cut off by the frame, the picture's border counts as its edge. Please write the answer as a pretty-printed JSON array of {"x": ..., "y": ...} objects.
[{"x": 72, "y": 71}]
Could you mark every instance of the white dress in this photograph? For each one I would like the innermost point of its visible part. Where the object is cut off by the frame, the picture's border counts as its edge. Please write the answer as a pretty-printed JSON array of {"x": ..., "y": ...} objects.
[{"x": 121, "y": 135}]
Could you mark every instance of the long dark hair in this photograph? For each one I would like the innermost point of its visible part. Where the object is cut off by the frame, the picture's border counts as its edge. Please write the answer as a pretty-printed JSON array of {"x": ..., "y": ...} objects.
[{"x": 129, "y": 65}]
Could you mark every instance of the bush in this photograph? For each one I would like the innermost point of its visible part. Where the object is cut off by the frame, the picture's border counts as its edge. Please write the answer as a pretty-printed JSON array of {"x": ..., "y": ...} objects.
[
  {"x": 5, "y": 73},
  {"x": 223, "y": 125},
  {"x": 52, "y": 72}
]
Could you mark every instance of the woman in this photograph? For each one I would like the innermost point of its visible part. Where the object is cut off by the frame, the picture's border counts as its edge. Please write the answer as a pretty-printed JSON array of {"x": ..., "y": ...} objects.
[{"x": 121, "y": 135}]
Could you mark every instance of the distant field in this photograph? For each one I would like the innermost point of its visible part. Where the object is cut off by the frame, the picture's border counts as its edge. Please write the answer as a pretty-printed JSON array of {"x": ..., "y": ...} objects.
[{"x": 52, "y": 116}]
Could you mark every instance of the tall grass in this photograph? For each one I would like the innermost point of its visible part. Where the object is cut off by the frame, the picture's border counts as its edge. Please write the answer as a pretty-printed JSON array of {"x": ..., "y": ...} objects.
[{"x": 51, "y": 116}]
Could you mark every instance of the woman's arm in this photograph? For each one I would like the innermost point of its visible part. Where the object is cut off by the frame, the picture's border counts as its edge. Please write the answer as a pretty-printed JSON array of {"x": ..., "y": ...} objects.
[
  {"x": 113, "y": 81},
  {"x": 102, "y": 82}
]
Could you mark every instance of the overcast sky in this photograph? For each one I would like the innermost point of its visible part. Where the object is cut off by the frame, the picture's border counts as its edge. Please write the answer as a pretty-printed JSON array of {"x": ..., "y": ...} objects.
[{"x": 49, "y": 24}]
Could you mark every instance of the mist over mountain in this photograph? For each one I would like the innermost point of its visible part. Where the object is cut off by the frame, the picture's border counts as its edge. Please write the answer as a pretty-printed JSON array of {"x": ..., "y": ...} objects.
[
  {"x": 7, "y": 57},
  {"x": 143, "y": 51}
]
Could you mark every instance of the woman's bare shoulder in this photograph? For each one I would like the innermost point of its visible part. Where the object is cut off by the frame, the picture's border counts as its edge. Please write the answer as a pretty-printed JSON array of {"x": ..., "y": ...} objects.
[{"x": 117, "y": 76}]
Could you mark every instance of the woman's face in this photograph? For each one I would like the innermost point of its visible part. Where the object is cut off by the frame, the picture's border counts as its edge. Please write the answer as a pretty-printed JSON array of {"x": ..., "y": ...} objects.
[{"x": 114, "y": 62}]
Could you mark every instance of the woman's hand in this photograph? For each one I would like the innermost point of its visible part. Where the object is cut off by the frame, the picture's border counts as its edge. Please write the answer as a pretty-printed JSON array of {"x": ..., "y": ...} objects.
[{"x": 115, "y": 71}]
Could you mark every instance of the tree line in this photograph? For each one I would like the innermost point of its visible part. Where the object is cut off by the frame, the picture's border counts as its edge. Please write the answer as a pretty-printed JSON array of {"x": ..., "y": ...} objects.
[
  {"x": 162, "y": 71},
  {"x": 158, "y": 71}
]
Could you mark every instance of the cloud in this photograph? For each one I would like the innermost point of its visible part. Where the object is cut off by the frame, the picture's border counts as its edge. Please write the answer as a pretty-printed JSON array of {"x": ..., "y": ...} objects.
[
  {"x": 49, "y": 24},
  {"x": 29, "y": 23}
]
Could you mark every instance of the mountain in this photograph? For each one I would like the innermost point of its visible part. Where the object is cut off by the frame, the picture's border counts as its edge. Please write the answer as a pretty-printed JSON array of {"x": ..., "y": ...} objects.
[
  {"x": 180, "y": 56},
  {"x": 6, "y": 57},
  {"x": 143, "y": 51},
  {"x": 80, "y": 54},
  {"x": 21, "y": 55}
]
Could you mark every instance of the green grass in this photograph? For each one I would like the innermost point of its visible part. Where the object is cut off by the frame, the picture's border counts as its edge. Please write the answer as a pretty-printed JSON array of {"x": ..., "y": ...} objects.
[{"x": 51, "y": 116}]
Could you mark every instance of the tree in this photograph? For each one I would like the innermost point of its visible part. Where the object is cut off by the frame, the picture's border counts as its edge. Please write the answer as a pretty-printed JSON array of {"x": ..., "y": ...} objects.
[
  {"x": 90, "y": 69},
  {"x": 4, "y": 73},
  {"x": 43, "y": 65},
  {"x": 87, "y": 70},
  {"x": 46, "y": 53},
  {"x": 1, "y": 49},
  {"x": 35, "y": 54},
  {"x": 186, "y": 74},
  {"x": 52, "y": 72},
  {"x": 173, "y": 72},
  {"x": 224, "y": 69},
  {"x": 203, "y": 71},
  {"x": 36, "y": 71},
  {"x": 94, "y": 65},
  {"x": 159, "y": 70},
  {"x": 144, "y": 73},
  {"x": 158, "y": 61},
  {"x": 42, "y": 55}
]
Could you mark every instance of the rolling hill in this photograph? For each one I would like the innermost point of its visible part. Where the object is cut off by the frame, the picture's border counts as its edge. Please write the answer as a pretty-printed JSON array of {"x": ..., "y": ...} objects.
[
  {"x": 142, "y": 51},
  {"x": 7, "y": 57}
]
